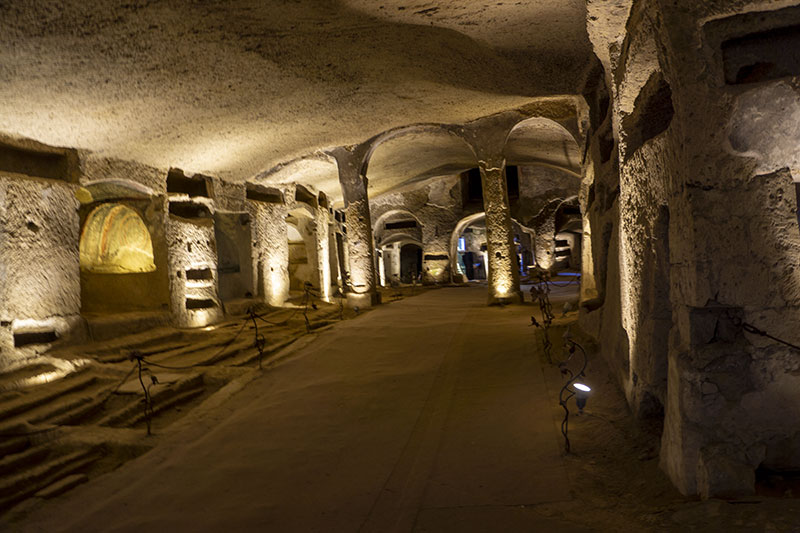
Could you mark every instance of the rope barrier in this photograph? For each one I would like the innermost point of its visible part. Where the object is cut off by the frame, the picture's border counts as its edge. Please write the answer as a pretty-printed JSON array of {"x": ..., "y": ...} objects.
[
  {"x": 749, "y": 328},
  {"x": 541, "y": 292}
]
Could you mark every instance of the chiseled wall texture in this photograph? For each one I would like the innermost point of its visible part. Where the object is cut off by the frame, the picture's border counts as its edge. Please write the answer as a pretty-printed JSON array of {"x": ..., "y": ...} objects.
[
  {"x": 39, "y": 259},
  {"x": 707, "y": 234},
  {"x": 191, "y": 244},
  {"x": 270, "y": 249}
]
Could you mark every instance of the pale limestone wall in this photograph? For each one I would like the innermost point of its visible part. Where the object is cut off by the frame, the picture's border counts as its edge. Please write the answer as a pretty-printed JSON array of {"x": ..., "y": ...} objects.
[
  {"x": 39, "y": 261},
  {"x": 191, "y": 245},
  {"x": 708, "y": 235},
  {"x": 96, "y": 168},
  {"x": 270, "y": 250},
  {"x": 538, "y": 185}
]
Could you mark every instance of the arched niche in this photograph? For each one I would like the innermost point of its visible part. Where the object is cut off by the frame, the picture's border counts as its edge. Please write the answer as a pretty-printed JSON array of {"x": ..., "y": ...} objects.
[
  {"x": 115, "y": 240},
  {"x": 121, "y": 267},
  {"x": 302, "y": 252},
  {"x": 457, "y": 253},
  {"x": 400, "y": 259},
  {"x": 396, "y": 222}
]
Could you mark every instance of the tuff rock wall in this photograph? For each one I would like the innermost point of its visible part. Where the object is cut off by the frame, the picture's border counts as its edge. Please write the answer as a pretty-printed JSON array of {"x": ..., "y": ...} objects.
[{"x": 698, "y": 137}]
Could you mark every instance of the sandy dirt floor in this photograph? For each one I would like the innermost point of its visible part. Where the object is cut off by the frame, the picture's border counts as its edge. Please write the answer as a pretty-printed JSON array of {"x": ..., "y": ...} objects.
[{"x": 432, "y": 413}]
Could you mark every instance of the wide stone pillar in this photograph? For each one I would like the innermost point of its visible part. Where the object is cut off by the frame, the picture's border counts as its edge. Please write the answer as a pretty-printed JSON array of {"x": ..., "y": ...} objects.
[
  {"x": 362, "y": 285},
  {"x": 503, "y": 274}
]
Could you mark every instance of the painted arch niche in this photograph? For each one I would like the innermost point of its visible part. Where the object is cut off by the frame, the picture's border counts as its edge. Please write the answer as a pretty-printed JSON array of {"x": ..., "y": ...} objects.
[
  {"x": 122, "y": 264},
  {"x": 115, "y": 240}
]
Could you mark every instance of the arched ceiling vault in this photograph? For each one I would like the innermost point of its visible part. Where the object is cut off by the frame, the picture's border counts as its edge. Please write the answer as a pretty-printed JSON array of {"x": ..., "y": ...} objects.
[
  {"x": 542, "y": 141},
  {"x": 233, "y": 88}
]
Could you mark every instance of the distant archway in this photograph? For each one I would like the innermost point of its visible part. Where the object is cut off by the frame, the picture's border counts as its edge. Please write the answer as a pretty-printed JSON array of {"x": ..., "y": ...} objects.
[
  {"x": 302, "y": 252},
  {"x": 468, "y": 259}
]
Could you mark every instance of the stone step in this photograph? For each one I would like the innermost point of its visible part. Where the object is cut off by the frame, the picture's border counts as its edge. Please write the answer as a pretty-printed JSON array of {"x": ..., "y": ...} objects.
[
  {"x": 80, "y": 412},
  {"x": 111, "y": 326},
  {"x": 30, "y": 457},
  {"x": 67, "y": 404},
  {"x": 63, "y": 485},
  {"x": 116, "y": 351},
  {"x": 250, "y": 357},
  {"x": 25, "y": 484},
  {"x": 45, "y": 394},
  {"x": 134, "y": 409},
  {"x": 165, "y": 404},
  {"x": 12, "y": 445}
]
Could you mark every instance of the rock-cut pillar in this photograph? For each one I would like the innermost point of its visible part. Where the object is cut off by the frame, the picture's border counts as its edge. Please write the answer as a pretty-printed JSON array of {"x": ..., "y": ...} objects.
[
  {"x": 501, "y": 252},
  {"x": 362, "y": 283}
]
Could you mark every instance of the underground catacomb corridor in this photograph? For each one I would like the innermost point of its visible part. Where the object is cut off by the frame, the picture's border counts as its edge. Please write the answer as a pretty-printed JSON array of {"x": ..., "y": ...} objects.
[{"x": 350, "y": 265}]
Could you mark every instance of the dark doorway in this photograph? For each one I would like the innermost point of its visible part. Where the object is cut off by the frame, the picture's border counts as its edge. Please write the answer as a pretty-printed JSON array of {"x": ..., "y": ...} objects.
[{"x": 410, "y": 262}]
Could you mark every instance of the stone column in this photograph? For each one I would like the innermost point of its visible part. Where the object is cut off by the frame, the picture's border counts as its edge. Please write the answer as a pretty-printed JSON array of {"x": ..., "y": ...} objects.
[
  {"x": 382, "y": 268},
  {"x": 323, "y": 249},
  {"x": 270, "y": 249},
  {"x": 502, "y": 258},
  {"x": 362, "y": 286}
]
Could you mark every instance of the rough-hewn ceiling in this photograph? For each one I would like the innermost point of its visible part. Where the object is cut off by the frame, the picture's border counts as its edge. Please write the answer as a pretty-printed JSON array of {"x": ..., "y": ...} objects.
[{"x": 235, "y": 87}]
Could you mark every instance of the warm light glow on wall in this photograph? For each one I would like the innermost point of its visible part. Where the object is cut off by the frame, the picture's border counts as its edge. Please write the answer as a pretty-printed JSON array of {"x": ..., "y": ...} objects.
[
  {"x": 115, "y": 240},
  {"x": 201, "y": 317},
  {"x": 277, "y": 283},
  {"x": 382, "y": 269},
  {"x": 323, "y": 254}
]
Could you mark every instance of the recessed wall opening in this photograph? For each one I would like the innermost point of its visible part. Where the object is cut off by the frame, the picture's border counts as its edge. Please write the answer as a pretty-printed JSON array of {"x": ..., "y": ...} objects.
[
  {"x": 47, "y": 162},
  {"x": 121, "y": 267},
  {"x": 568, "y": 241},
  {"x": 234, "y": 260},
  {"x": 472, "y": 260},
  {"x": 27, "y": 338},
  {"x": 199, "y": 303},
  {"x": 179, "y": 183},
  {"x": 115, "y": 240},
  {"x": 305, "y": 196},
  {"x": 410, "y": 263},
  {"x": 762, "y": 56},
  {"x": 652, "y": 113},
  {"x": 267, "y": 195},
  {"x": 199, "y": 274},
  {"x": 402, "y": 224},
  {"x": 189, "y": 210},
  {"x": 301, "y": 251}
]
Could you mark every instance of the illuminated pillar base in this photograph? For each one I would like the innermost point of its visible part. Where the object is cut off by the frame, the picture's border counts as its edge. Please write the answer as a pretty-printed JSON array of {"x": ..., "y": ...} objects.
[
  {"x": 364, "y": 300},
  {"x": 515, "y": 297}
]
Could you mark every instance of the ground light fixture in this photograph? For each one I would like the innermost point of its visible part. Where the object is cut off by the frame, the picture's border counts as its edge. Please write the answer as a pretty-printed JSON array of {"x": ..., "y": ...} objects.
[
  {"x": 573, "y": 387},
  {"x": 581, "y": 395}
]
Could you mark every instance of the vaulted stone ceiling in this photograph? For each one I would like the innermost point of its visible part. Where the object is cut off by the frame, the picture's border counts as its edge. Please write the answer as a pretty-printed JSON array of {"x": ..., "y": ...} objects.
[{"x": 236, "y": 87}]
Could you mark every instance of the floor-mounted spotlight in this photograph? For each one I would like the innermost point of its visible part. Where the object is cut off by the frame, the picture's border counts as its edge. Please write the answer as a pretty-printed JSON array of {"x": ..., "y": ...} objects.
[
  {"x": 573, "y": 387},
  {"x": 581, "y": 395}
]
